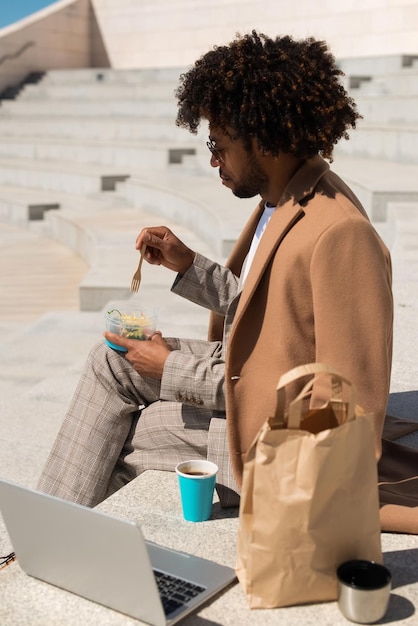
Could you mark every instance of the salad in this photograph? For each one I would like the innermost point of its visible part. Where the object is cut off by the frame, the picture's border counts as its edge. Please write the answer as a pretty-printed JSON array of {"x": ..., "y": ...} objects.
[{"x": 129, "y": 325}]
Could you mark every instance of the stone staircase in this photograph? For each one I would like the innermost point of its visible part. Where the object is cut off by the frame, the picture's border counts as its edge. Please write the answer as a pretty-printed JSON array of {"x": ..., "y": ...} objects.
[
  {"x": 389, "y": 129},
  {"x": 85, "y": 149},
  {"x": 42, "y": 352},
  {"x": 380, "y": 161},
  {"x": 72, "y": 139}
]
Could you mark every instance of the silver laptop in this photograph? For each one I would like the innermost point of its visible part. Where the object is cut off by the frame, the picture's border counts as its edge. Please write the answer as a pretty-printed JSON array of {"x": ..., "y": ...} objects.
[{"x": 106, "y": 559}]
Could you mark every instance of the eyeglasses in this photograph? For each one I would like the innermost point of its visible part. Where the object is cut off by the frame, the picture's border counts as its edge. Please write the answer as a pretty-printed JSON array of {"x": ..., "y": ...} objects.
[{"x": 215, "y": 151}]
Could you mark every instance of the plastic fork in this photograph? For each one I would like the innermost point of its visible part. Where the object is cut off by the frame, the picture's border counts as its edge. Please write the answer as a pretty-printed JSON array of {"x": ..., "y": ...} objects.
[{"x": 136, "y": 278}]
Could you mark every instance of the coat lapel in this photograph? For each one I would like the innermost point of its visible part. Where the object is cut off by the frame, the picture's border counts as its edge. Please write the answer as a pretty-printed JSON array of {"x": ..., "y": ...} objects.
[
  {"x": 282, "y": 220},
  {"x": 234, "y": 263},
  {"x": 285, "y": 216}
]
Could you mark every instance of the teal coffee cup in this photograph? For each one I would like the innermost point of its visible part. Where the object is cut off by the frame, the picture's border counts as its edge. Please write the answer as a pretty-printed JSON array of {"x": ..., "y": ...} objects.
[{"x": 197, "y": 483}]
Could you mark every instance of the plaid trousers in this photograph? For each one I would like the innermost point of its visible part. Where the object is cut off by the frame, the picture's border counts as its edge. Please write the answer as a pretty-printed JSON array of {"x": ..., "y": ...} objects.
[{"x": 116, "y": 427}]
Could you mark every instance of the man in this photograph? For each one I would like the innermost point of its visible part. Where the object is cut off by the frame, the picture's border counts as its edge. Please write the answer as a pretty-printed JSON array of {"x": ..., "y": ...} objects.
[{"x": 308, "y": 280}]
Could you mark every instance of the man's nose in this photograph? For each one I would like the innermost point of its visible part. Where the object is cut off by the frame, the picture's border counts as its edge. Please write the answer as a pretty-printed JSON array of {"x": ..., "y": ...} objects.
[{"x": 214, "y": 161}]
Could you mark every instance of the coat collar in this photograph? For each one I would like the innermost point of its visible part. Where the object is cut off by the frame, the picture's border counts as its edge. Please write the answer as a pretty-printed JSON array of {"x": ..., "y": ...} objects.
[
  {"x": 300, "y": 187},
  {"x": 304, "y": 181}
]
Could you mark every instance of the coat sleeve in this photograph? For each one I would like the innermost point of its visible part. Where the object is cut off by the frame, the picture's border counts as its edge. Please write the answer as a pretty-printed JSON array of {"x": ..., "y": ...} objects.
[{"x": 353, "y": 311}]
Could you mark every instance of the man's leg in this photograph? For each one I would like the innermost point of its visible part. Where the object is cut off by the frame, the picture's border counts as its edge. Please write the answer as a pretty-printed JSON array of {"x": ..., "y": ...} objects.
[
  {"x": 102, "y": 444},
  {"x": 164, "y": 434},
  {"x": 96, "y": 426}
]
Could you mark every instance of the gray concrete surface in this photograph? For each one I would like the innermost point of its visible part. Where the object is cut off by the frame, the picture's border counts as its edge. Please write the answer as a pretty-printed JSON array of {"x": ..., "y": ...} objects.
[{"x": 153, "y": 501}]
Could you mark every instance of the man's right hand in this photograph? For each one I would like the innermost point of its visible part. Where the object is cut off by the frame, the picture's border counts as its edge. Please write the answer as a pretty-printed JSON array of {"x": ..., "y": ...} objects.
[{"x": 164, "y": 248}]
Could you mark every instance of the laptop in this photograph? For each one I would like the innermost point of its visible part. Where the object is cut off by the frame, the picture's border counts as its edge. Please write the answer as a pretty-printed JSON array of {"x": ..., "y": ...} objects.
[{"x": 105, "y": 559}]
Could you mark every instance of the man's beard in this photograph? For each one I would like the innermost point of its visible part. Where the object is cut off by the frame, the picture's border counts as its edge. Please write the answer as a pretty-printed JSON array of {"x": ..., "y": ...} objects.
[{"x": 252, "y": 181}]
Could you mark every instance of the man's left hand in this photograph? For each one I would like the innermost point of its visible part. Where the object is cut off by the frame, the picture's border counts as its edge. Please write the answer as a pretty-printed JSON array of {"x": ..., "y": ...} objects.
[{"x": 146, "y": 357}]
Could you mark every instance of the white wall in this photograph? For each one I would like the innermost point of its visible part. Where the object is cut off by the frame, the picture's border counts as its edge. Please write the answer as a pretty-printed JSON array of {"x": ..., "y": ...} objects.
[
  {"x": 155, "y": 33},
  {"x": 61, "y": 35}
]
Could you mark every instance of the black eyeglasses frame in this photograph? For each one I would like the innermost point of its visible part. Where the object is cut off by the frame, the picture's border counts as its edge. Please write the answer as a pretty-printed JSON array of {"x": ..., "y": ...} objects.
[{"x": 213, "y": 150}]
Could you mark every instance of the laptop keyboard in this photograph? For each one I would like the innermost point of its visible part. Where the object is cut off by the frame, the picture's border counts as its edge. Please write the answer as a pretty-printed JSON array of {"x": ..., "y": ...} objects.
[{"x": 174, "y": 591}]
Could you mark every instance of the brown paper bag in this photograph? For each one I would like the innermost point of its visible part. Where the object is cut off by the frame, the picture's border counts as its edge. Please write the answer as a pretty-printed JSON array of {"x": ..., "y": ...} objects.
[{"x": 309, "y": 499}]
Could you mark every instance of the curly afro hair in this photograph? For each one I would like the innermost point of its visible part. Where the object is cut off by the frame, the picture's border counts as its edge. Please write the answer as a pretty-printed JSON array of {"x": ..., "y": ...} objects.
[{"x": 284, "y": 93}]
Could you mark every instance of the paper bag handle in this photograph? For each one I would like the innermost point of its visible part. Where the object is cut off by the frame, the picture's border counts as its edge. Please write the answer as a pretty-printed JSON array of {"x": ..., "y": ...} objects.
[{"x": 295, "y": 408}]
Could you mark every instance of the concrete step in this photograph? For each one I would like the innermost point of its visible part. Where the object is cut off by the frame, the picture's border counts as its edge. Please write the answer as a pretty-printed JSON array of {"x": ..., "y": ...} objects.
[
  {"x": 377, "y": 65},
  {"x": 26, "y": 207},
  {"x": 85, "y": 91},
  {"x": 402, "y": 223},
  {"x": 37, "y": 275},
  {"x": 384, "y": 142},
  {"x": 132, "y": 155},
  {"x": 400, "y": 83},
  {"x": 61, "y": 176},
  {"x": 167, "y": 75},
  {"x": 393, "y": 109},
  {"x": 86, "y": 108},
  {"x": 105, "y": 239},
  {"x": 210, "y": 210},
  {"x": 21, "y": 206},
  {"x": 377, "y": 182},
  {"x": 102, "y": 228},
  {"x": 199, "y": 202},
  {"x": 96, "y": 128}
]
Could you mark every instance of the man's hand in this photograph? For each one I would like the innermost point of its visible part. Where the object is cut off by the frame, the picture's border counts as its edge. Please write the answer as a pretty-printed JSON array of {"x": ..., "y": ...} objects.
[
  {"x": 164, "y": 248},
  {"x": 146, "y": 357}
]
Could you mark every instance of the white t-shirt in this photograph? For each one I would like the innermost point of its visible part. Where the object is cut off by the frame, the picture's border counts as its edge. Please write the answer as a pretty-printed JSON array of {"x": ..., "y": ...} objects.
[{"x": 261, "y": 227}]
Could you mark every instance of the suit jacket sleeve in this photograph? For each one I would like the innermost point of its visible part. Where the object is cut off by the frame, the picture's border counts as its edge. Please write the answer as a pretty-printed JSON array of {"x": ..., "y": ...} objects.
[
  {"x": 208, "y": 284},
  {"x": 192, "y": 377},
  {"x": 195, "y": 380}
]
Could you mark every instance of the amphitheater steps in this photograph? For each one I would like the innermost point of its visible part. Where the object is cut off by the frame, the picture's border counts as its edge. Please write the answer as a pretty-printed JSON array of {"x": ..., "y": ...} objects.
[
  {"x": 61, "y": 176},
  {"x": 88, "y": 108},
  {"x": 109, "y": 174},
  {"x": 377, "y": 182},
  {"x": 131, "y": 154},
  {"x": 80, "y": 91},
  {"x": 138, "y": 76},
  {"x": 37, "y": 275},
  {"x": 383, "y": 142},
  {"x": 403, "y": 82},
  {"x": 99, "y": 128}
]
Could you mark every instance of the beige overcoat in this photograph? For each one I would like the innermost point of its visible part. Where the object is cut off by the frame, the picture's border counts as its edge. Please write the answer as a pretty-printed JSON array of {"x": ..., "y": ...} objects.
[{"x": 319, "y": 289}]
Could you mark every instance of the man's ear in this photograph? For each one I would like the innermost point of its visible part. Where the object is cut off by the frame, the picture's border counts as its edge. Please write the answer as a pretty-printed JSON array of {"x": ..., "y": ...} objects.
[{"x": 257, "y": 149}]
